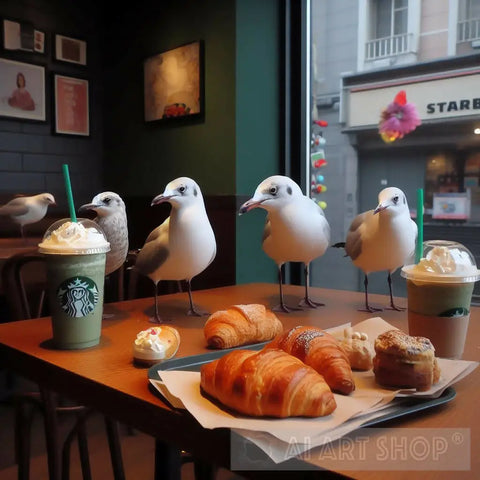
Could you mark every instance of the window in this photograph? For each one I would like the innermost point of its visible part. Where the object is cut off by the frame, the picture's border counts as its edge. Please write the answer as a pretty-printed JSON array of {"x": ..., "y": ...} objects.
[{"x": 468, "y": 20}]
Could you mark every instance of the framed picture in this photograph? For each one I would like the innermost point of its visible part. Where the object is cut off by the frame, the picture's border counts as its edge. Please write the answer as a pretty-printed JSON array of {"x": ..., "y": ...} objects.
[
  {"x": 22, "y": 90},
  {"x": 22, "y": 36},
  {"x": 173, "y": 83},
  {"x": 70, "y": 50},
  {"x": 72, "y": 113}
]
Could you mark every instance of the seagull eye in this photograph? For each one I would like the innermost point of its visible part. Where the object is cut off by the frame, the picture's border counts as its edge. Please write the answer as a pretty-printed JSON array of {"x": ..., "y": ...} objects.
[
  {"x": 182, "y": 189},
  {"x": 273, "y": 190},
  {"x": 395, "y": 199},
  {"x": 107, "y": 200}
]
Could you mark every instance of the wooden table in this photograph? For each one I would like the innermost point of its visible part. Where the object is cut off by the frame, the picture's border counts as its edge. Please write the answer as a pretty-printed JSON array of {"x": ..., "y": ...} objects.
[{"x": 105, "y": 378}]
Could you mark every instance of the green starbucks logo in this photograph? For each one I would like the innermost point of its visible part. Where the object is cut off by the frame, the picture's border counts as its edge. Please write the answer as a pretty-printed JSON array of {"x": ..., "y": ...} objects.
[{"x": 78, "y": 296}]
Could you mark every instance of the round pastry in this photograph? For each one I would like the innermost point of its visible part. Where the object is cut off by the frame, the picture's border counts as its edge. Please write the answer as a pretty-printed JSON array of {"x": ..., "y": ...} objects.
[
  {"x": 155, "y": 344},
  {"x": 405, "y": 361},
  {"x": 358, "y": 349}
]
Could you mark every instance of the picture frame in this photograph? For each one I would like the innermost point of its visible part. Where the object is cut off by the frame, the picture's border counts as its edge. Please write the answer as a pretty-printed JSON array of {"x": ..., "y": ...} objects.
[
  {"x": 71, "y": 105},
  {"x": 22, "y": 36},
  {"x": 70, "y": 50},
  {"x": 22, "y": 90},
  {"x": 174, "y": 84}
]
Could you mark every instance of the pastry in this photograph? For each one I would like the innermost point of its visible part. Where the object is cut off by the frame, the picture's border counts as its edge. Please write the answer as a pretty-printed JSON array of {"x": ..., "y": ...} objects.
[
  {"x": 267, "y": 383},
  {"x": 405, "y": 361},
  {"x": 241, "y": 325},
  {"x": 358, "y": 349},
  {"x": 321, "y": 351},
  {"x": 155, "y": 344}
]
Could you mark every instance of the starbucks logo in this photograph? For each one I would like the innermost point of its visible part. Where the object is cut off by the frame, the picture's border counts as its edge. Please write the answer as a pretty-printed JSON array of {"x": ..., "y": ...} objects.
[{"x": 78, "y": 296}]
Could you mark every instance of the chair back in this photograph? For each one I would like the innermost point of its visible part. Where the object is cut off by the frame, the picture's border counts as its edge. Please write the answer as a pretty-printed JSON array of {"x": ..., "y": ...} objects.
[{"x": 24, "y": 280}]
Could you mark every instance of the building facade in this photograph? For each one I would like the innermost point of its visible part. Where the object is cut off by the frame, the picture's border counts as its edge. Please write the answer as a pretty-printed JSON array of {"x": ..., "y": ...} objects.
[{"x": 363, "y": 54}]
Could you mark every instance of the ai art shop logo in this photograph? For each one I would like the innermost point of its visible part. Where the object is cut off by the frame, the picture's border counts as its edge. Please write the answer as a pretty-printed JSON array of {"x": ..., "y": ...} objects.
[{"x": 78, "y": 296}]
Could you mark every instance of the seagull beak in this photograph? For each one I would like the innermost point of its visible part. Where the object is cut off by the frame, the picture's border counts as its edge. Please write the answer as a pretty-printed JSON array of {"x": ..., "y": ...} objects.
[
  {"x": 380, "y": 207},
  {"x": 162, "y": 198},
  {"x": 88, "y": 206},
  {"x": 249, "y": 205}
]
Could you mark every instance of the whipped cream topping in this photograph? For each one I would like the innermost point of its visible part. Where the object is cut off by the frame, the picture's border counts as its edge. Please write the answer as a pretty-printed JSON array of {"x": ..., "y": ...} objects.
[
  {"x": 74, "y": 237},
  {"x": 148, "y": 340},
  {"x": 445, "y": 260}
]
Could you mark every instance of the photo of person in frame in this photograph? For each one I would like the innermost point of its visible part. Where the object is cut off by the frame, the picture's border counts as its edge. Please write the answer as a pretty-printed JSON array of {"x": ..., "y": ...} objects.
[{"x": 20, "y": 97}]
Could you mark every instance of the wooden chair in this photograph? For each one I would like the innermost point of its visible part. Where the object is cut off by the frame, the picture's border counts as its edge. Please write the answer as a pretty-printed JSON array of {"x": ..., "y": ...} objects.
[{"x": 24, "y": 284}]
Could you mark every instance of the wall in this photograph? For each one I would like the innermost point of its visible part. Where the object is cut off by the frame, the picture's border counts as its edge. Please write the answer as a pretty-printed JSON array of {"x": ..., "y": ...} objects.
[{"x": 31, "y": 157}]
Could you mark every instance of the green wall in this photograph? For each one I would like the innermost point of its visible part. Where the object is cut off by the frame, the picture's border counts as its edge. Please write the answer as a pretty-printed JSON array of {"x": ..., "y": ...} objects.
[
  {"x": 258, "y": 112},
  {"x": 238, "y": 143}
]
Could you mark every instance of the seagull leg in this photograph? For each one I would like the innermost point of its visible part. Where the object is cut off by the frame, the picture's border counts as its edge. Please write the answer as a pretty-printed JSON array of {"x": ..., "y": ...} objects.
[
  {"x": 307, "y": 302},
  {"x": 368, "y": 308},
  {"x": 156, "y": 318},
  {"x": 281, "y": 307},
  {"x": 392, "y": 304},
  {"x": 192, "y": 310}
]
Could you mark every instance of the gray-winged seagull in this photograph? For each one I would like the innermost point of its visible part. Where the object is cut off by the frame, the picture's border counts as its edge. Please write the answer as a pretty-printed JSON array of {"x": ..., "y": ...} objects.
[
  {"x": 296, "y": 229},
  {"x": 184, "y": 244},
  {"x": 26, "y": 210},
  {"x": 112, "y": 218},
  {"x": 382, "y": 239}
]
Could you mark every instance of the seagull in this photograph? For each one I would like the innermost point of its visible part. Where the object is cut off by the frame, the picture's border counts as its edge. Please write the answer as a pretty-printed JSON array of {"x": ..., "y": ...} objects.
[
  {"x": 112, "y": 218},
  {"x": 296, "y": 229},
  {"x": 183, "y": 245},
  {"x": 26, "y": 210},
  {"x": 382, "y": 239}
]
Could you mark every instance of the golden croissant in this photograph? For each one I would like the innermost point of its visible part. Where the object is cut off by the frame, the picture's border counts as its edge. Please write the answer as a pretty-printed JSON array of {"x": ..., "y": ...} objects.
[
  {"x": 241, "y": 325},
  {"x": 321, "y": 351},
  {"x": 267, "y": 383}
]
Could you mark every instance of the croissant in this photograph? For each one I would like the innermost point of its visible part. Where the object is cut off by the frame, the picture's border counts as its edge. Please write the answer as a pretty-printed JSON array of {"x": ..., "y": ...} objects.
[
  {"x": 241, "y": 325},
  {"x": 321, "y": 351},
  {"x": 267, "y": 383}
]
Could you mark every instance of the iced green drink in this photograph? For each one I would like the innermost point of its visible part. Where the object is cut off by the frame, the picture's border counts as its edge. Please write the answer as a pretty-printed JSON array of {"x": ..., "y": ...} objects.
[
  {"x": 439, "y": 291},
  {"x": 75, "y": 253}
]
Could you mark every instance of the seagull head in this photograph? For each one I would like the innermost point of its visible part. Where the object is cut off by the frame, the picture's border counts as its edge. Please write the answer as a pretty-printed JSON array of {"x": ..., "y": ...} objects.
[
  {"x": 47, "y": 199},
  {"x": 105, "y": 204},
  {"x": 180, "y": 192},
  {"x": 273, "y": 193},
  {"x": 392, "y": 200}
]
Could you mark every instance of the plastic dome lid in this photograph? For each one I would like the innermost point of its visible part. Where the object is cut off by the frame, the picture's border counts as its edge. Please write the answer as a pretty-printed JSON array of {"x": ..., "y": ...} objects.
[
  {"x": 82, "y": 237},
  {"x": 443, "y": 261}
]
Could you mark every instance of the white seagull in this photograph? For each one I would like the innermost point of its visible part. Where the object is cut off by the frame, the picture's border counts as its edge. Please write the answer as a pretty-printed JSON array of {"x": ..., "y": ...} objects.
[
  {"x": 26, "y": 210},
  {"x": 296, "y": 229},
  {"x": 382, "y": 239},
  {"x": 112, "y": 218},
  {"x": 184, "y": 244}
]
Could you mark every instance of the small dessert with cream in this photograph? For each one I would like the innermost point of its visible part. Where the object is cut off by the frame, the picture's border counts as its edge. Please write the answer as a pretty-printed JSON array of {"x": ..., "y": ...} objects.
[
  {"x": 358, "y": 349},
  {"x": 155, "y": 344}
]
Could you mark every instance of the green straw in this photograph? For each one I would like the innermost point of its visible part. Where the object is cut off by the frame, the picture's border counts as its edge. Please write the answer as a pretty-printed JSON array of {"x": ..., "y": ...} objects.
[
  {"x": 419, "y": 246},
  {"x": 68, "y": 188}
]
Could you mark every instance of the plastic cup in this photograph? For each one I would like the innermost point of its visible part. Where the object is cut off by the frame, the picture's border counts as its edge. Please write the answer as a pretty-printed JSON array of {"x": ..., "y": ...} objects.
[
  {"x": 75, "y": 254},
  {"x": 439, "y": 293}
]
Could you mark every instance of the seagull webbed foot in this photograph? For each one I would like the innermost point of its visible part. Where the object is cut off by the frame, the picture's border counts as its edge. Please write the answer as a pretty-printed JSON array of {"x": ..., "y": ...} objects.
[
  {"x": 370, "y": 309},
  {"x": 308, "y": 303},
  {"x": 193, "y": 312},
  {"x": 281, "y": 307},
  {"x": 157, "y": 320},
  {"x": 394, "y": 307}
]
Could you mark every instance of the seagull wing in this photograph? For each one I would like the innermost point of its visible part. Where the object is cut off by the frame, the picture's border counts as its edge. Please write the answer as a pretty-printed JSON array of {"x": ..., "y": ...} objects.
[
  {"x": 155, "y": 251},
  {"x": 14, "y": 207},
  {"x": 353, "y": 245}
]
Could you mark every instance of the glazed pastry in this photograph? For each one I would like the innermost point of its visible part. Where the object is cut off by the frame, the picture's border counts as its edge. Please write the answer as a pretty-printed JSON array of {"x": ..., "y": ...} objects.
[
  {"x": 321, "y": 351},
  {"x": 358, "y": 349},
  {"x": 405, "y": 361},
  {"x": 267, "y": 383},
  {"x": 155, "y": 344},
  {"x": 241, "y": 325}
]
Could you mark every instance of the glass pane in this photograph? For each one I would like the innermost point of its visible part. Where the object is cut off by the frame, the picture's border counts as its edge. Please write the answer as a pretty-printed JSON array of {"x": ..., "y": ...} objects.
[
  {"x": 401, "y": 21},
  {"x": 384, "y": 19}
]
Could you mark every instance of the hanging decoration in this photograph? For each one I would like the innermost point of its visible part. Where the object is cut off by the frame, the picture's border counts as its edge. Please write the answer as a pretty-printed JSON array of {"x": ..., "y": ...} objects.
[
  {"x": 317, "y": 162},
  {"x": 398, "y": 118}
]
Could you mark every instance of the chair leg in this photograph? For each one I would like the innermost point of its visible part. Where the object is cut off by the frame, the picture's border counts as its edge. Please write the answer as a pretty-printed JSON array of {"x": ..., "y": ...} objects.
[
  {"x": 51, "y": 434},
  {"x": 167, "y": 462},
  {"x": 115, "y": 448},
  {"x": 204, "y": 470},
  {"x": 23, "y": 423}
]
